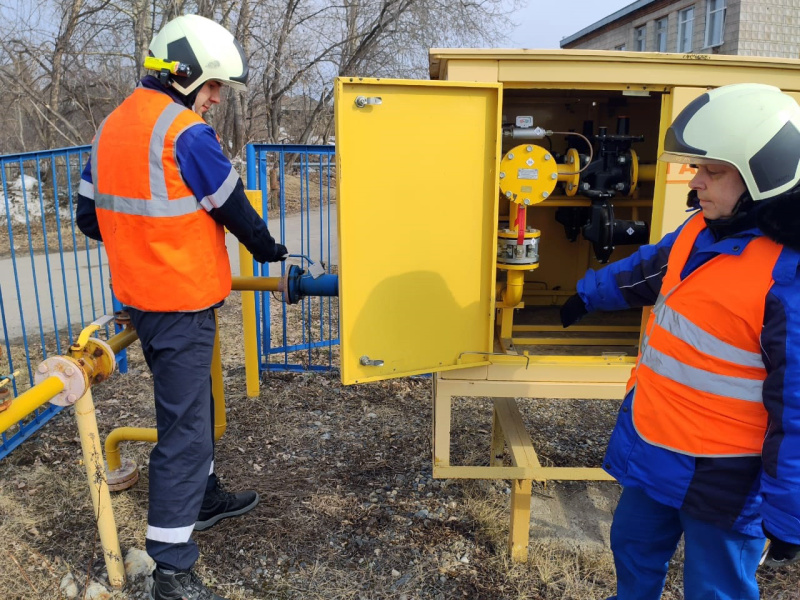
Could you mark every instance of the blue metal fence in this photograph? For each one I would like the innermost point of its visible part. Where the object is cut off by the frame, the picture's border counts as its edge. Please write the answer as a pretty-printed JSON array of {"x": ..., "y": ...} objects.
[
  {"x": 57, "y": 276},
  {"x": 54, "y": 280},
  {"x": 300, "y": 212}
]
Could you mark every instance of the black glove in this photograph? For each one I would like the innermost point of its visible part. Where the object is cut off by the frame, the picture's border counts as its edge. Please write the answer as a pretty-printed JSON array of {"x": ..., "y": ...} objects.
[
  {"x": 573, "y": 310},
  {"x": 280, "y": 253},
  {"x": 779, "y": 553}
]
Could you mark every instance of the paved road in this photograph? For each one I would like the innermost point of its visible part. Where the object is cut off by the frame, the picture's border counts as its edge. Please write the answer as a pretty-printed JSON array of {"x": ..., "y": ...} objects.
[{"x": 78, "y": 269}]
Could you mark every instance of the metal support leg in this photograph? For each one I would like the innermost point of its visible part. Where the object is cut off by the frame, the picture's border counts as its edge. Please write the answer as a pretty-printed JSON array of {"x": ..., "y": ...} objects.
[
  {"x": 98, "y": 487},
  {"x": 506, "y": 323},
  {"x": 498, "y": 442},
  {"x": 509, "y": 428},
  {"x": 519, "y": 528},
  {"x": 441, "y": 425}
]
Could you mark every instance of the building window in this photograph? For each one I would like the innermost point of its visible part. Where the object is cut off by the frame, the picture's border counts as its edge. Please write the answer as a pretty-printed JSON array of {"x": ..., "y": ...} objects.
[
  {"x": 715, "y": 22},
  {"x": 621, "y": 47},
  {"x": 661, "y": 35},
  {"x": 685, "y": 22},
  {"x": 640, "y": 38}
]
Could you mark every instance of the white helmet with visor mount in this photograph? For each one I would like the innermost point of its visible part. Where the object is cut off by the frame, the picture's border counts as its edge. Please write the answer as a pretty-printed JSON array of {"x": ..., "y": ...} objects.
[
  {"x": 204, "y": 50},
  {"x": 751, "y": 126}
]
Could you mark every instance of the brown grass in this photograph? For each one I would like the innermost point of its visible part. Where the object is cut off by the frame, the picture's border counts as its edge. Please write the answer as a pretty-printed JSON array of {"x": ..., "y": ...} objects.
[{"x": 348, "y": 506}]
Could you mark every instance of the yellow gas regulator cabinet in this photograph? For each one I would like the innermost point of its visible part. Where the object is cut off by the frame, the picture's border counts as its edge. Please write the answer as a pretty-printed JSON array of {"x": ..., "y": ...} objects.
[{"x": 469, "y": 207}]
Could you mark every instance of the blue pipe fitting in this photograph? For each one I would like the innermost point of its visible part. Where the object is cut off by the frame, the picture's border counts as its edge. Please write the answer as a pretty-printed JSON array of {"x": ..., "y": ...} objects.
[{"x": 298, "y": 284}]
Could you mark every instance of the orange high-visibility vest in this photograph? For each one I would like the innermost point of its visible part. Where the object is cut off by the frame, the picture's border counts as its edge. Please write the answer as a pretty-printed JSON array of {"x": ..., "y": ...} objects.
[
  {"x": 699, "y": 378},
  {"x": 165, "y": 252}
]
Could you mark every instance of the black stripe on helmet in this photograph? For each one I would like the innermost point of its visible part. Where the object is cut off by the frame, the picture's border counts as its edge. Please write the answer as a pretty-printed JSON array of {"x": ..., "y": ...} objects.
[
  {"x": 776, "y": 163},
  {"x": 181, "y": 50},
  {"x": 245, "y": 68},
  {"x": 673, "y": 141}
]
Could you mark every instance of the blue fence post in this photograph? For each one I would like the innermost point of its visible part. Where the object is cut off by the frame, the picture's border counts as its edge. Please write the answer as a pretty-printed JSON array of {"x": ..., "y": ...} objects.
[
  {"x": 122, "y": 357},
  {"x": 291, "y": 159}
]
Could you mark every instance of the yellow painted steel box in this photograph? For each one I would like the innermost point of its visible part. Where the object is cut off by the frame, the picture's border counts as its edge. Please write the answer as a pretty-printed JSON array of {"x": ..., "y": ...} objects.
[{"x": 420, "y": 210}]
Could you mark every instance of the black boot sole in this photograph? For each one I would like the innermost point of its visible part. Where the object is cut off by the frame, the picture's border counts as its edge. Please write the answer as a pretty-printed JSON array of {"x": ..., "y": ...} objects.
[{"x": 209, "y": 523}]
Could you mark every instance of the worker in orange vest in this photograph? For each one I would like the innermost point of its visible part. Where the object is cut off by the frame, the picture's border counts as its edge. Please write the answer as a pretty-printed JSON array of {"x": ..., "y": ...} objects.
[
  {"x": 159, "y": 192},
  {"x": 707, "y": 440}
]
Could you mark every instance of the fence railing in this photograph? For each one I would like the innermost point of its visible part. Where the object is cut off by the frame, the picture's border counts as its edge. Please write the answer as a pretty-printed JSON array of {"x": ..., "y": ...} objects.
[
  {"x": 297, "y": 185},
  {"x": 54, "y": 280}
]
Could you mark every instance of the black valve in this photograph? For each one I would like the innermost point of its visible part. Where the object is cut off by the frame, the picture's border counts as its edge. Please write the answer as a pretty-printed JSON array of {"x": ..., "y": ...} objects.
[{"x": 598, "y": 225}]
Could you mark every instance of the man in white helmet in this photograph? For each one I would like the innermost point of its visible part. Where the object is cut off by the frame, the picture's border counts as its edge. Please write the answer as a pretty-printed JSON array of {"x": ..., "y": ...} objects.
[
  {"x": 159, "y": 192},
  {"x": 707, "y": 440}
]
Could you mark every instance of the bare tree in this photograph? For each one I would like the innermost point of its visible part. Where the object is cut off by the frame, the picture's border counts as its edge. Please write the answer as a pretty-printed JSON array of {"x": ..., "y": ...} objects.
[{"x": 63, "y": 75}]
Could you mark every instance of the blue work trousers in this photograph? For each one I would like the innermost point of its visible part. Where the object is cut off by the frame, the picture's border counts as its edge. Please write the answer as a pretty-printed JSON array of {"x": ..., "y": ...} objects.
[
  {"x": 719, "y": 564},
  {"x": 178, "y": 348}
]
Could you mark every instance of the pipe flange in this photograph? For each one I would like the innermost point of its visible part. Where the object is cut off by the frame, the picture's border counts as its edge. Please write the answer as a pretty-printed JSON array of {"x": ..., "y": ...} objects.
[
  {"x": 71, "y": 375},
  {"x": 528, "y": 174},
  {"x": 509, "y": 252},
  {"x": 122, "y": 318},
  {"x": 102, "y": 357},
  {"x": 123, "y": 478},
  {"x": 290, "y": 285}
]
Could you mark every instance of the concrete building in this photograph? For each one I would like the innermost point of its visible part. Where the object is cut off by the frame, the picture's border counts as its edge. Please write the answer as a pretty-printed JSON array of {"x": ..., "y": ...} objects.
[{"x": 743, "y": 27}]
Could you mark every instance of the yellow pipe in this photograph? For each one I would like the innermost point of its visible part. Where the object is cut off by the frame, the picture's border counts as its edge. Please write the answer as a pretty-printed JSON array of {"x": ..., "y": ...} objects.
[
  {"x": 98, "y": 487},
  {"x": 259, "y": 284},
  {"x": 123, "y": 339},
  {"x": 30, "y": 400},
  {"x": 647, "y": 172},
  {"x": 566, "y": 173},
  {"x": 132, "y": 434},
  {"x": 217, "y": 386},
  {"x": 511, "y": 293}
]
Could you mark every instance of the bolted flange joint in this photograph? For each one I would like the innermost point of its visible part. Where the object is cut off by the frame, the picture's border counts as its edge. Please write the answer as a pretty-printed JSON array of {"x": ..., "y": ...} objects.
[{"x": 67, "y": 369}]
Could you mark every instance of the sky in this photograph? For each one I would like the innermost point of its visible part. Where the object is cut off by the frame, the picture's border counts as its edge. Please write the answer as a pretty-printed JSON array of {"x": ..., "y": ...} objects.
[{"x": 542, "y": 23}]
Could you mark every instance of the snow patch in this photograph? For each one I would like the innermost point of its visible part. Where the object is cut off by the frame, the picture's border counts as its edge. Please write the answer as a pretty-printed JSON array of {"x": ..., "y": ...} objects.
[{"x": 21, "y": 201}]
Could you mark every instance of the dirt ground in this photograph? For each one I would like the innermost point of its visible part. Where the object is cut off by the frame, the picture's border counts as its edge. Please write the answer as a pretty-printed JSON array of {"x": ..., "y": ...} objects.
[{"x": 349, "y": 508}]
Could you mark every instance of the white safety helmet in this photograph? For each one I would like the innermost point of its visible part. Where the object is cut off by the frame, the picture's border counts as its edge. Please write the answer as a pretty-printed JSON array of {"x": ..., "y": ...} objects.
[
  {"x": 751, "y": 126},
  {"x": 207, "y": 48}
]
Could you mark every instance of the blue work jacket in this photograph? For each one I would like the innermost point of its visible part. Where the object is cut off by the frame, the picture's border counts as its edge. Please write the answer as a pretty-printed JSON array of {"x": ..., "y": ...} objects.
[{"x": 731, "y": 492}]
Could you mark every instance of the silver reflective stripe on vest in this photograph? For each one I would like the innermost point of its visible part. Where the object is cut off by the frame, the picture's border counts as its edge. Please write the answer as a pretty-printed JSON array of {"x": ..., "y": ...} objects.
[
  {"x": 683, "y": 329},
  {"x": 647, "y": 332},
  {"x": 737, "y": 388},
  {"x": 158, "y": 184},
  {"x": 224, "y": 192},
  {"x": 660, "y": 301},
  {"x": 159, "y": 204},
  {"x": 148, "y": 208}
]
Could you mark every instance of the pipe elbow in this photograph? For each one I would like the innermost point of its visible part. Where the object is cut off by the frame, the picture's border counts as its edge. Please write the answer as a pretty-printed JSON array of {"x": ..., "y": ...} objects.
[{"x": 511, "y": 293}]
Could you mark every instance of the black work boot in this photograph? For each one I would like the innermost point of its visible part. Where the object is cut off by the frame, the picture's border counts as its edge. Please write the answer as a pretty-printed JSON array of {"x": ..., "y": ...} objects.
[
  {"x": 219, "y": 504},
  {"x": 179, "y": 585}
]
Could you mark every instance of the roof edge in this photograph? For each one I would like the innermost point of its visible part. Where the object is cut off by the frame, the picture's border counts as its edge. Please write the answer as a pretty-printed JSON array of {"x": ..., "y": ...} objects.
[{"x": 622, "y": 12}]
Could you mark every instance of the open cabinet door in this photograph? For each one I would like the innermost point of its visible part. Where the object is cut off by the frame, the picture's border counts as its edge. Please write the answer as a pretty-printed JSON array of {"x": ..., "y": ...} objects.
[{"x": 416, "y": 179}]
